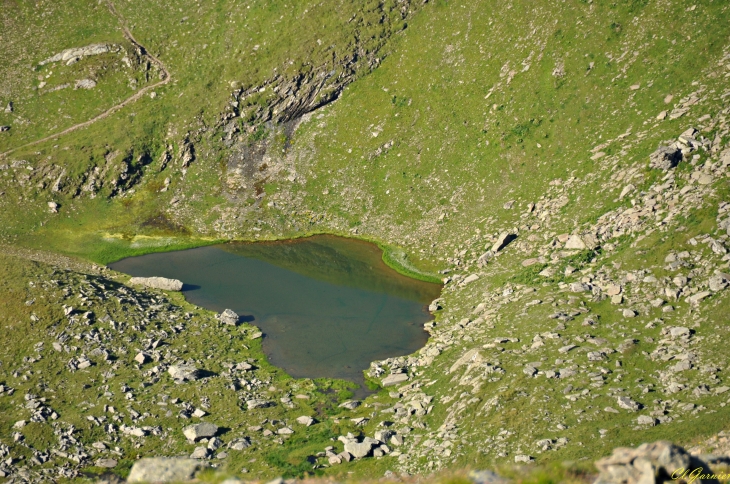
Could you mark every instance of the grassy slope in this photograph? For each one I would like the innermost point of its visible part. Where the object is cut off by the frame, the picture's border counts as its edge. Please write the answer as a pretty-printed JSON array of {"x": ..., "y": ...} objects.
[{"x": 456, "y": 79}]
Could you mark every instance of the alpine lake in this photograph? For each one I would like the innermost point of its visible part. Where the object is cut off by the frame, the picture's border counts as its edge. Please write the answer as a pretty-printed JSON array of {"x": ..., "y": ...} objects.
[{"x": 327, "y": 306}]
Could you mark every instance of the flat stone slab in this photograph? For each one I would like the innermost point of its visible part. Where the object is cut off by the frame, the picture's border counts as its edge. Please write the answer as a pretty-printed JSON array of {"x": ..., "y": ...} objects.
[
  {"x": 391, "y": 380},
  {"x": 158, "y": 283}
]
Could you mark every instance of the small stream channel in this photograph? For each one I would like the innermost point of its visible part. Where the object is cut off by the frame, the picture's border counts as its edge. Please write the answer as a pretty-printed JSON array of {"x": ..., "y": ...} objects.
[{"x": 327, "y": 305}]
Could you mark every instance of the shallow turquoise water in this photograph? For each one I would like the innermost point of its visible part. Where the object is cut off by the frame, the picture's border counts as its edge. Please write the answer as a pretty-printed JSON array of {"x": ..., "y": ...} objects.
[{"x": 327, "y": 305}]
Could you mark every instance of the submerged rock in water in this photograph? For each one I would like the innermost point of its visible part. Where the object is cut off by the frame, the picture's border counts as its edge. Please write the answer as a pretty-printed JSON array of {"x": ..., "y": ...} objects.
[{"x": 158, "y": 283}]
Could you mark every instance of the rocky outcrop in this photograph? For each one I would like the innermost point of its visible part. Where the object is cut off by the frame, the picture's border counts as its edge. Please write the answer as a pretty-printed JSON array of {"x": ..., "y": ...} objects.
[
  {"x": 665, "y": 158},
  {"x": 69, "y": 56},
  {"x": 158, "y": 283},
  {"x": 655, "y": 462}
]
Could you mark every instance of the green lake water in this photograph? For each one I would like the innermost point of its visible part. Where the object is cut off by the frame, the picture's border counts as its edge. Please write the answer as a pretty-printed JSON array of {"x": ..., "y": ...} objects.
[{"x": 327, "y": 305}]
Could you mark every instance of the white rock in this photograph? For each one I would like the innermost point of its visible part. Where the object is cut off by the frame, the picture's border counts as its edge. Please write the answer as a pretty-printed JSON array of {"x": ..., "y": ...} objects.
[
  {"x": 305, "y": 420},
  {"x": 524, "y": 458},
  {"x": 142, "y": 358},
  {"x": 158, "y": 283}
]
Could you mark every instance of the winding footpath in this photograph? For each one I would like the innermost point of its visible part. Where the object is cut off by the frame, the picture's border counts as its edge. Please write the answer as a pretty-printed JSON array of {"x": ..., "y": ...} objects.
[{"x": 166, "y": 78}]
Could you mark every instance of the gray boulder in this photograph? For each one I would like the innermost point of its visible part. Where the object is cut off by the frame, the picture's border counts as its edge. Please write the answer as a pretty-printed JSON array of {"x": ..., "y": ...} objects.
[
  {"x": 648, "y": 464},
  {"x": 239, "y": 444},
  {"x": 158, "y": 283},
  {"x": 228, "y": 317},
  {"x": 502, "y": 241},
  {"x": 628, "y": 404},
  {"x": 391, "y": 380},
  {"x": 258, "y": 403},
  {"x": 200, "y": 453},
  {"x": 164, "y": 469},
  {"x": 383, "y": 435},
  {"x": 200, "y": 431},
  {"x": 719, "y": 281},
  {"x": 350, "y": 404},
  {"x": 665, "y": 158},
  {"x": 358, "y": 450},
  {"x": 184, "y": 372}
]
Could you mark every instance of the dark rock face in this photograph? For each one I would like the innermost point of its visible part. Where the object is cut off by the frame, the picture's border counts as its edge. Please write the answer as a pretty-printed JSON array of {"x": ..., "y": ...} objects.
[{"x": 665, "y": 158}]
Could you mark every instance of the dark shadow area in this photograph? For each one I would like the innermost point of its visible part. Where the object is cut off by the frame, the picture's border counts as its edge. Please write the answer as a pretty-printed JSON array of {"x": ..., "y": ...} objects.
[{"x": 206, "y": 373}]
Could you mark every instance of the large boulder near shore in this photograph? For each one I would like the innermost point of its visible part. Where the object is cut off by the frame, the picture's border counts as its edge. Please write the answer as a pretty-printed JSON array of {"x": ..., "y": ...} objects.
[
  {"x": 229, "y": 317},
  {"x": 158, "y": 283}
]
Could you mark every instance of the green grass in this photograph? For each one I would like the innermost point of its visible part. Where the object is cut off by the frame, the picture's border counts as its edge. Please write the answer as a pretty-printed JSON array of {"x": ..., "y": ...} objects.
[{"x": 467, "y": 109}]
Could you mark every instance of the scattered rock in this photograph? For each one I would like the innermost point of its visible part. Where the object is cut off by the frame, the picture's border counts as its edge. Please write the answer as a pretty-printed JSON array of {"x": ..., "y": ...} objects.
[
  {"x": 229, "y": 317},
  {"x": 200, "y": 431}
]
